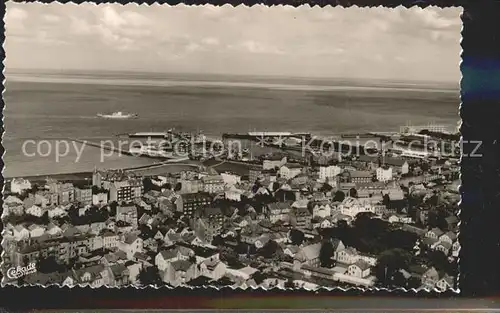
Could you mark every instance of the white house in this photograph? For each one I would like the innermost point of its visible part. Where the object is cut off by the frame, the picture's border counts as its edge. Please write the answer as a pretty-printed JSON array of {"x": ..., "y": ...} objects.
[
  {"x": 13, "y": 205},
  {"x": 100, "y": 198},
  {"x": 262, "y": 241},
  {"x": 35, "y": 210},
  {"x": 57, "y": 212},
  {"x": 163, "y": 258},
  {"x": 289, "y": 170},
  {"x": 273, "y": 162},
  {"x": 455, "y": 248},
  {"x": 395, "y": 218},
  {"x": 326, "y": 224},
  {"x": 36, "y": 230},
  {"x": 384, "y": 174},
  {"x": 445, "y": 283},
  {"x": 322, "y": 210},
  {"x": 346, "y": 256},
  {"x": 53, "y": 229},
  {"x": 134, "y": 269},
  {"x": 360, "y": 269},
  {"x": 243, "y": 273},
  {"x": 131, "y": 245},
  {"x": 350, "y": 256},
  {"x": 110, "y": 239},
  {"x": 448, "y": 237},
  {"x": 19, "y": 185},
  {"x": 214, "y": 269},
  {"x": 20, "y": 232},
  {"x": 327, "y": 172},
  {"x": 231, "y": 179},
  {"x": 352, "y": 206},
  {"x": 278, "y": 211},
  {"x": 434, "y": 233},
  {"x": 12, "y": 200},
  {"x": 233, "y": 193},
  {"x": 291, "y": 250}
]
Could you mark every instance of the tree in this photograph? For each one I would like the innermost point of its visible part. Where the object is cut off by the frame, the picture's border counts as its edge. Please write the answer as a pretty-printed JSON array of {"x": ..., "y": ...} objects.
[
  {"x": 150, "y": 276},
  {"x": 34, "y": 188},
  {"x": 389, "y": 262},
  {"x": 365, "y": 226},
  {"x": 296, "y": 237},
  {"x": 424, "y": 167},
  {"x": 270, "y": 248},
  {"x": 439, "y": 260},
  {"x": 228, "y": 254},
  {"x": 398, "y": 239},
  {"x": 339, "y": 196},
  {"x": 326, "y": 187},
  {"x": 73, "y": 213},
  {"x": 398, "y": 279},
  {"x": 145, "y": 232},
  {"x": 96, "y": 190},
  {"x": 73, "y": 261},
  {"x": 44, "y": 220},
  {"x": 413, "y": 283},
  {"x": 178, "y": 186},
  {"x": 326, "y": 253},
  {"x": 283, "y": 195},
  {"x": 112, "y": 208},
  {"x": 148, "y": 184},
  {"x": 289, "y": 284},
  {"x": 48, "y": 264},
  {"x": 217, "y": 241},
  {"x": 386, "y": 200},
  {"x": 258, "y": 277}
]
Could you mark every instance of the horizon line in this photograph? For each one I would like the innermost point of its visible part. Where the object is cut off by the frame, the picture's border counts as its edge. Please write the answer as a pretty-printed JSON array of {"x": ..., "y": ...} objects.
[{"x": 393, "y": 80}]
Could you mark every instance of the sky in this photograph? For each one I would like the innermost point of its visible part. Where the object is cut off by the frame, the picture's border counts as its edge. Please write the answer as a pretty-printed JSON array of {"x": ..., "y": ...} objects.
[{"x": 399, "y": 44}]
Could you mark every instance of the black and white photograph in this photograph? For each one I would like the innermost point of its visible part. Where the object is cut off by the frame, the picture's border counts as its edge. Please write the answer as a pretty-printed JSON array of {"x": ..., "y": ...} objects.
[{"x": 220, "y": 146}]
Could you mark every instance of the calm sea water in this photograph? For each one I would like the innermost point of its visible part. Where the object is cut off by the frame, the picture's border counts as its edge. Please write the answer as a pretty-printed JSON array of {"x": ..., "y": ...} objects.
[{"x": 52, "y": 106}]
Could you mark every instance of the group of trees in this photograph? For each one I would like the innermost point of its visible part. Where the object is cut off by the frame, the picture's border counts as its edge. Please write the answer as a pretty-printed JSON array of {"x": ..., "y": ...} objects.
[
  {"x": 389, "y": 263},
  {"x": 393, "y": 246},
  {"x": 150, "y": 276},
  {"x": 297, "y": 237},
  {"x": 49, "y": 264},
  {"x": 26, "y": 219},
  {"x": 371, "y": 235},
  {"x": 339, "y": 196},
  {"x": 326, "y": 253},
  {"x": 150, "y": 186},
  {"x": 92, "y": 215},
  {"x": 97, "y": 190}
]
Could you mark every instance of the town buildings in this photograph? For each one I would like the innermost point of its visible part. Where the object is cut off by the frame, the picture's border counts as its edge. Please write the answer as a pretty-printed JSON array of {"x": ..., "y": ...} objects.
[{"x": 278, "y": 220}]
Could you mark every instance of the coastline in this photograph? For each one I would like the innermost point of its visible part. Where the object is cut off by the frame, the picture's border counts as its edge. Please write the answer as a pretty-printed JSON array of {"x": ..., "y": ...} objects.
[
  {"x": 78, "y": 176},
  {"x": 161, "y": 167}
]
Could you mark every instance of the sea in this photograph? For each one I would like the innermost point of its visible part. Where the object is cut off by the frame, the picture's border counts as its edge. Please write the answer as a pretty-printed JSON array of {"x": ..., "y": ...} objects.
[{"x": 48, "y": 106}]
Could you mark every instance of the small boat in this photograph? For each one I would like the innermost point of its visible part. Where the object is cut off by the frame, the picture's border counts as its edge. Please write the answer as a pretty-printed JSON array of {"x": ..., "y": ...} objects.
[{"x": 118, "y": 115}]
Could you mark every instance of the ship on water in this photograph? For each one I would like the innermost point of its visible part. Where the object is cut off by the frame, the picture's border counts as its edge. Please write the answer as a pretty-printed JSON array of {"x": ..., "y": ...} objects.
[{"x": 117, "y": 115}]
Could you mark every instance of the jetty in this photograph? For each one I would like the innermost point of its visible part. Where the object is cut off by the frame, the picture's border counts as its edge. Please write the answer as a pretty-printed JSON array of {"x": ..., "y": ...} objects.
[
  {"x": 117, "y": 150},
  {"x": 258, "y": 136},
  {"x": 103, "y": 146}
]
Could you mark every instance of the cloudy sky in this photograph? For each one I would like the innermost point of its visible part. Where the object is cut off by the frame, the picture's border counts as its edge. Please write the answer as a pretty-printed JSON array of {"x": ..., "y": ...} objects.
[{"x": 317, "y": 42}]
